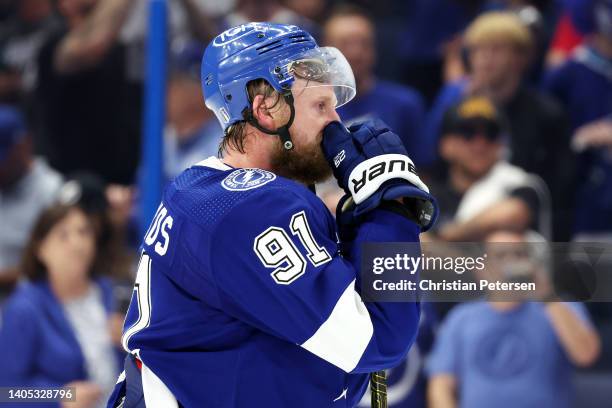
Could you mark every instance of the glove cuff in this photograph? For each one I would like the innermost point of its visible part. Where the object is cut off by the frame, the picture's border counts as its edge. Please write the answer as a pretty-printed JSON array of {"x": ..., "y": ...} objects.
[{"x": 421, "y": 205}]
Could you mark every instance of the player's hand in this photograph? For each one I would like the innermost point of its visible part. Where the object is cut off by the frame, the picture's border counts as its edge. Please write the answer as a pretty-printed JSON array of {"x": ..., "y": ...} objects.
[
  {"x": 346, "y": 148},
  {"x": 372, "y": 165},
  {"x": 87, "y": 395}
]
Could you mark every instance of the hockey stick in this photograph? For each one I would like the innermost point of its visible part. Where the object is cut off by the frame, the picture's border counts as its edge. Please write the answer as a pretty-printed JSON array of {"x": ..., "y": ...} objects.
[{"x": 378, "y": 389}]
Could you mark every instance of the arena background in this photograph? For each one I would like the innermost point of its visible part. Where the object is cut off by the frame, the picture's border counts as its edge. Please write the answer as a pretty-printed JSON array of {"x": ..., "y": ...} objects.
[{"x": 503, "y": 103}]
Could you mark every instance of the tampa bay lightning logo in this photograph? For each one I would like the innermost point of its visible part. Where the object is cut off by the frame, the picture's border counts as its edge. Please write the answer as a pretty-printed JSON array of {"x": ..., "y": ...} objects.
[{"x": 246, "y": 179}]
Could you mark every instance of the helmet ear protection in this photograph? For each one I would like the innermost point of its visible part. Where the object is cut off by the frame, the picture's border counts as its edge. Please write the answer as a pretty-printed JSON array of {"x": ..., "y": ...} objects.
[{"x": 278, "y": 54}]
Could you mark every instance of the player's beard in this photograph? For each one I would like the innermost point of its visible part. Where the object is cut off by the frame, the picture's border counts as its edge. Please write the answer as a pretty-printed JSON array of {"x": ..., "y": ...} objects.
[{"x": 306, "y": 164}]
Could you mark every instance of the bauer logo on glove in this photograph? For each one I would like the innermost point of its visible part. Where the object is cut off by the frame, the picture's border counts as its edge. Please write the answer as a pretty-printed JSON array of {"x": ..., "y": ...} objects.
[{"x": 373, "y": 172}]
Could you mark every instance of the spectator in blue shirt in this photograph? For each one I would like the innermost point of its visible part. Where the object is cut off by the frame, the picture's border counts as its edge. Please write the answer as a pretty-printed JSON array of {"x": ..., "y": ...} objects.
[
  {"x": 351, "y": 31},
  {"x": 507, "y": 353},
  {"x": 192, "y": 133},
  {"x": 55, "y": 328},
  {"x": 422, "y": 44},
  {"x": 27, "y": 186}
]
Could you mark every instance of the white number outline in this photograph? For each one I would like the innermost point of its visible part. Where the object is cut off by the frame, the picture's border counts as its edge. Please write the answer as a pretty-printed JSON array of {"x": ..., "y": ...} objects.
[
  {"x": 317, "y": 254},
  {"x": 308, "y": 241},
  {"x": 279, "y": 270}
]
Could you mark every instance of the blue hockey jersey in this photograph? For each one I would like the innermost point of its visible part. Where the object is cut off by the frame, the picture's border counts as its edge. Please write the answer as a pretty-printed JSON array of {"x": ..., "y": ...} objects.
[{"x": 242, "y": 299}]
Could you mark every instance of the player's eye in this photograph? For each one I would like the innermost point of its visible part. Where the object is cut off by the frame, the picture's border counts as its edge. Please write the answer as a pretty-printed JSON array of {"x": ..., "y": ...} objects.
[{"x": 322, "y": 106}]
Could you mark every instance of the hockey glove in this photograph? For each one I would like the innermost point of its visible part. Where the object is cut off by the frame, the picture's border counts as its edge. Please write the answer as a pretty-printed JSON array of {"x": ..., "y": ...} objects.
[{"x": 371, "y": 164}]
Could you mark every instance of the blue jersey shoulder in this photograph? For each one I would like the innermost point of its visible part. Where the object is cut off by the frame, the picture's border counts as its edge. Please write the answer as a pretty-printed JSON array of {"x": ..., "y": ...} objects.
[
  {"x": 211, "y": 200},
  {"x": 204, "y": 194}
]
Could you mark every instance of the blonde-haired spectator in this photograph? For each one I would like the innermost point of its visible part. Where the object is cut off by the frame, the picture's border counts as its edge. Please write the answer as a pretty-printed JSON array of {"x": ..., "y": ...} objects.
[
  {"x": 499, "y": 50},
  {"x": 498, "y": 26}
]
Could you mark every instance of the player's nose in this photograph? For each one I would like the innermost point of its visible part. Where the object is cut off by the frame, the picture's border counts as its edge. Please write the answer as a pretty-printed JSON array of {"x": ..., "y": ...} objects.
[{"x": 332, "y": 117}]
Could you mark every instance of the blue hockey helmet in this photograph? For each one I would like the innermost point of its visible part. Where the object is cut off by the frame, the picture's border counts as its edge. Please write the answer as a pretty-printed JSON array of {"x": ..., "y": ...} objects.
[{"x": 277, "y": 53}]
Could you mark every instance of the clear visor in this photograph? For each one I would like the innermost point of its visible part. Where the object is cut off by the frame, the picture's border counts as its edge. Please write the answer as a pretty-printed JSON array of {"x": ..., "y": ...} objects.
[{"x": 324, "y": 67}]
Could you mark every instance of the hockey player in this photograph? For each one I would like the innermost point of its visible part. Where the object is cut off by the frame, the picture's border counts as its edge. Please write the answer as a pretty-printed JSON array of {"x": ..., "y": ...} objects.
[{"x": 242, "y": 298}]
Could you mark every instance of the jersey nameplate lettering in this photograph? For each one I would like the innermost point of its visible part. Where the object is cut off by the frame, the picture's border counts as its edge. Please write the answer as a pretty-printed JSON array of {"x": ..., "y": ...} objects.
[{"x": 162, "y": 224}]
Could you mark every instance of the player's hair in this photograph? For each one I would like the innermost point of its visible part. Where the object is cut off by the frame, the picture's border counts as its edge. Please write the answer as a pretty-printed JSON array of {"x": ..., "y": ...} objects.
[
  {"x": 31, "y": 265},
  {"x": 499, "y": 26},
  {"x": 235, "y": 135}
]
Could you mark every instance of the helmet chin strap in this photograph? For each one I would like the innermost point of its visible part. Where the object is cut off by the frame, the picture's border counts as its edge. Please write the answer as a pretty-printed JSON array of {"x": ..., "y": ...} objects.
[{"x": 283, "y": 131}]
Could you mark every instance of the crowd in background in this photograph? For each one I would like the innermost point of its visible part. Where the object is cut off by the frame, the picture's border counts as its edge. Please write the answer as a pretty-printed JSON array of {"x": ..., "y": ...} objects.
[{"x": 505, "y": 106}]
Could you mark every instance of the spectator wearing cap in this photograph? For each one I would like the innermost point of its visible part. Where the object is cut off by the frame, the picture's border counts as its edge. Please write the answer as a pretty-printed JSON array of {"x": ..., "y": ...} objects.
[
  {"x": 509, "y": 352},
  {"x": 584, "y": 85},
  {"x": 499, "y": 47},
  {"x": 481, "y": 192},
  {"x": 90, "y": 105},
  {"x": 27, "y": 186}
]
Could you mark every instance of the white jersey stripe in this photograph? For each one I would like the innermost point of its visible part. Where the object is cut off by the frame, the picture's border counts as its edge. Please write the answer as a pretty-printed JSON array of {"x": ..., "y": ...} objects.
[
  {"x": 344, "y": 336},
  {"x": 156, "y": 394}
]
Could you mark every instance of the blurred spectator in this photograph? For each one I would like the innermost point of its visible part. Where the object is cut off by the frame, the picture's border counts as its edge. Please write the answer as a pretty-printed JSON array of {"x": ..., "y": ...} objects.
[
  {"x": 216, "y": 8},
  {"x": 535, "y": 16},
  {"x": 188, "y": 20},
  {"x": 314, "y": 10},
  {"x": 27, "y": 186},
  {"x": 56, "y": 328},
  {"x": 566, "y": 38},
  {"x": 426, "y": 37},
  {"x": 584, "y": 84},
  {"x": 481, "y": 192},
  {"x": 266, "y": 10},
  {"x": 192, "y": 133},
  {"x": 509, "y": 353},
  {"x": 351, "y": 31},
  {"x": 499, "y": 48},
  {"x": 20, "y": 39},
  {"x": 90, "y": 109},
  {"x": 109, "y": 209}
]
